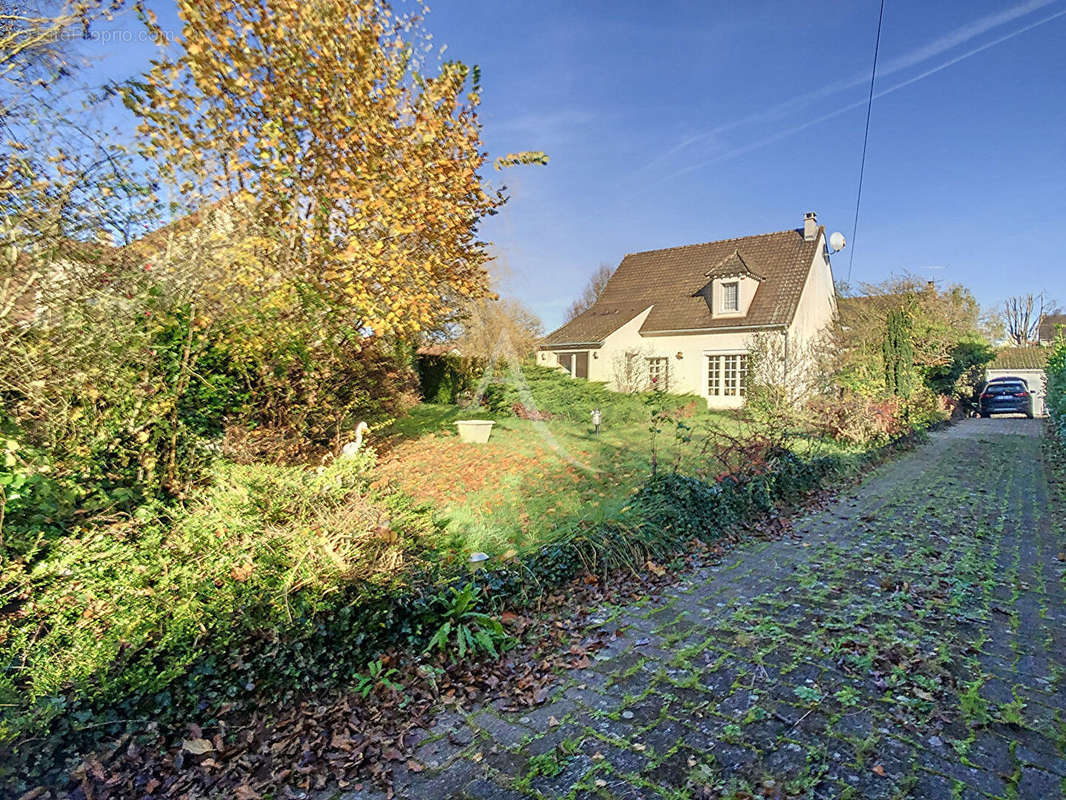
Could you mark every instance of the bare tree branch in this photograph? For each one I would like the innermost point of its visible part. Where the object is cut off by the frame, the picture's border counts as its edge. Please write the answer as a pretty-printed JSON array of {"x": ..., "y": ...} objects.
[
  {"x": 1021, "y": 317},
  {"x": 591, "y": 293}
]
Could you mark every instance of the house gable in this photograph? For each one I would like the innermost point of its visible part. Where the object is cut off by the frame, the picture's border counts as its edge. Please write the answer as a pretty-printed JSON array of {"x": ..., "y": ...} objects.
[{"x": 816, "y": 306}]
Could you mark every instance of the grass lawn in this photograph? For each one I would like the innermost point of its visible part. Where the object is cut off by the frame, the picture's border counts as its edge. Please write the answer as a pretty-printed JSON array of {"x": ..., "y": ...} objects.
[{"x": 534, "y": 480}]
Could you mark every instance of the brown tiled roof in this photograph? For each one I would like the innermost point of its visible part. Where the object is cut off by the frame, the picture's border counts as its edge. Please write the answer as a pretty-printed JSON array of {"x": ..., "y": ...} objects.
[
  {"x": 730, "y": 266},
  {"x": 593, "y": 325},
  {"x": 1049, "y": 325},
  {"x": 1021, "y": 358},
  {"x": 669, "y": 281}
]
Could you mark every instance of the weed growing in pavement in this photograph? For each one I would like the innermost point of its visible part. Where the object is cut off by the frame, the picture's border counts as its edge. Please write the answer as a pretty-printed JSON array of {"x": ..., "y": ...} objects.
[{"x": 973, "y": 706}]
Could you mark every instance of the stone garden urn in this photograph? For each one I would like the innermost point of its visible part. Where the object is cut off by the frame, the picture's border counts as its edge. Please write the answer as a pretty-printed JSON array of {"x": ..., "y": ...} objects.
[{"x": 474, "y": 430}]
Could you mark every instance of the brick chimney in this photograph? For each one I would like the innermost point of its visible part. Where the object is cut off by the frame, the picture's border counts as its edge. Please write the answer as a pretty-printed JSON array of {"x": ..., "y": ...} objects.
[{"x": 810, "y": 226}]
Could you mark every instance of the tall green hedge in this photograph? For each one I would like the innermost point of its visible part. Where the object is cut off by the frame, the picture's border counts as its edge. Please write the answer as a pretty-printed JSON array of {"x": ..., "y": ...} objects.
[
  {"x": 1056, "y": 386},
  {"x": 444, "y": 378}
]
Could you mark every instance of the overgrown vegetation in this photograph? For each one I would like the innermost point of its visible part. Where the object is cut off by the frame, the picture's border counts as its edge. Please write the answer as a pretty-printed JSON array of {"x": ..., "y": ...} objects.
[
  {"x": 1056, "y": 386},
  {"x": 906, "y": 353},
  {"x": 175, "y": 529},
  {"x": 277, "y": 579},
  {"x": 126, "y": 353},
  {"x": 125, "y": 610}
]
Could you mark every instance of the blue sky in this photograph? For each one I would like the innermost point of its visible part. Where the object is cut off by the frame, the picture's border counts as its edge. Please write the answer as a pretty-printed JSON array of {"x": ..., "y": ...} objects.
[{"x": 681, "y": 122}]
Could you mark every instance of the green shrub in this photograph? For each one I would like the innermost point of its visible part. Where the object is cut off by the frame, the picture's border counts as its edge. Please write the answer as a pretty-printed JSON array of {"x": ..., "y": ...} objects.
[
  {"x": 573, "y": 400},
  {"x": 963, "y": 374},
  {"x": 34, "y": 502},
  {"x": 307, "y": 392},
  {"x": 446, "y": 378},
  {"x": 1056, "y": 385},
  {"x": 897, "y": 352},
  {"x": 158, "y": 606},
  {"x": 217, "y": 391}
]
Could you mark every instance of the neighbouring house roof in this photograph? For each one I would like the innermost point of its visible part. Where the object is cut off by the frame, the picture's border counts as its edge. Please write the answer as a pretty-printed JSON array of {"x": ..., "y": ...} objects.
[
  {"x": 670, "y": 281},
  {"x": 1020, "y": 358},
  {"x": 103, "y": 254},
  {"x": 30, "y": 273},
  {"x": 156, "y": 240},
  {"x": 1049, "y": 325}
]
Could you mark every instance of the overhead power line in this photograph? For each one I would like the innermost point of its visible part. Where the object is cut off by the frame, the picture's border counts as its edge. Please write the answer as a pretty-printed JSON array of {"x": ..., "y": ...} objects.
[{"x": 865, "y": 138}]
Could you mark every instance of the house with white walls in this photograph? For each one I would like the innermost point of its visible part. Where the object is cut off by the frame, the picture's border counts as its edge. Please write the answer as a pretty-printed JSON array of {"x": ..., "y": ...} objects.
[{"x": 685, "y": 319}]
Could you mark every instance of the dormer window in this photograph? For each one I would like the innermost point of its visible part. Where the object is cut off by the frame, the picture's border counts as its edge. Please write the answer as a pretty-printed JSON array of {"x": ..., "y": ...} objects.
[
  {"x": 731, "y": 296},
  {"x": 726, "y": 280}
]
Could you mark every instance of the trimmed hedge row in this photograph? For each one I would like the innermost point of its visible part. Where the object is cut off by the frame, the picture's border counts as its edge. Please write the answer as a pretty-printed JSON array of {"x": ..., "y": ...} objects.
[{"x": 666, "y": 514}]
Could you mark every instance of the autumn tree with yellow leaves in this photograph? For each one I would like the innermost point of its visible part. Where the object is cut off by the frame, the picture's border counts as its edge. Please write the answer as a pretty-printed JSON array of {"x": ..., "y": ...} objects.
[
  {"x": 325, "y": 188},
  {"x": 347, "y": 164},
  {"x": 358, "y": 164}
]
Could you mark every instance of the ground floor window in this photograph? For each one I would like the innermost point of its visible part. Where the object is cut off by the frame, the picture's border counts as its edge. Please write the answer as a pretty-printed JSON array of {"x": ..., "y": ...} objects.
[
  {"x": 659, "y": 374},
  {"x": 727, "y": 375}
]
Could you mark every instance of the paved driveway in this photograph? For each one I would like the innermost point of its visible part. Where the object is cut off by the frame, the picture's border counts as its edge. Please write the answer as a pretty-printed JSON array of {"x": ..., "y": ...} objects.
[{"x": 910, "y": 643}]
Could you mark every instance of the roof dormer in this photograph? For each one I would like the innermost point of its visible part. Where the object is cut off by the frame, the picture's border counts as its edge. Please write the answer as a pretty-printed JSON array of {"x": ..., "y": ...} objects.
[{"x": 731, "y": 288}]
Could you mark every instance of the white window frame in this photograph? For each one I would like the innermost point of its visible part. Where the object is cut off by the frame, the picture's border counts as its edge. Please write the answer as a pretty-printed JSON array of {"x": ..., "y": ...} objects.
[
  {"x": 664, "y": 362},
  {"x": 714, "y": 375},
  {"x": 726, "y": 373},
  {"x": 726, "y": 286}
]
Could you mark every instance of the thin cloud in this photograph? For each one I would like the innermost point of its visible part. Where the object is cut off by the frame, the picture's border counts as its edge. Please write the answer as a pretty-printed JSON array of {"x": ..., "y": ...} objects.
[
  {"x": 905, "y": 61},
  {"x": 549, "y": 125},
  {"x": 860, "y": 103}
]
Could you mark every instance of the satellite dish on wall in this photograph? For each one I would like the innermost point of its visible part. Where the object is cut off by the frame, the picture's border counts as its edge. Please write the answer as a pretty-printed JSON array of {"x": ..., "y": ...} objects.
[{"x": 836, "y": 242}]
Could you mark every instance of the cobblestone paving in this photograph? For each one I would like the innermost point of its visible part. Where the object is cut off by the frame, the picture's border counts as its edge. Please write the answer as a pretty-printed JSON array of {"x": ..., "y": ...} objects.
[{"x": 912, "y": 643}]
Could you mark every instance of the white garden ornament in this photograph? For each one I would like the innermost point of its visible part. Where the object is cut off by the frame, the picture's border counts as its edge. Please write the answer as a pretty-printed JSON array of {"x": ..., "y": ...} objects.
[{"x": 353, "y": 447}]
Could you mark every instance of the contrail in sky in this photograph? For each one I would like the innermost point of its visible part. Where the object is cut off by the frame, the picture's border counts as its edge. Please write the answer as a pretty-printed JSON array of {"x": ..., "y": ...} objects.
[
  {"x": 910, "y": 59},
  {"x": 860, "y": 103}
]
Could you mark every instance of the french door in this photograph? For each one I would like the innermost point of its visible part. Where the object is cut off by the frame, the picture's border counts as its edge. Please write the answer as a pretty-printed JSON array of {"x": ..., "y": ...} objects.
[{"x": 727, "y": 375}]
